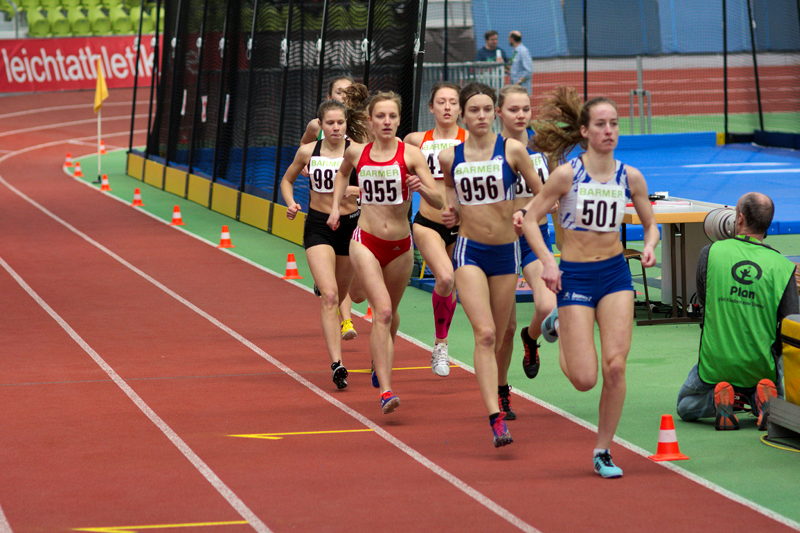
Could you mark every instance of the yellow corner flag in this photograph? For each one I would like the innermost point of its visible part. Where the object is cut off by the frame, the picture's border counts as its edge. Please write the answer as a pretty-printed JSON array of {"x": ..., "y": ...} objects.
[{"x": 101, "y": 92}]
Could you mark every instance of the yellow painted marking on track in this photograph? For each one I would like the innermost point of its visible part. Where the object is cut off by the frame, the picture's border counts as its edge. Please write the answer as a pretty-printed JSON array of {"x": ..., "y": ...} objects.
[
  {"x": 134, "y": 529},
  {"x": 279, "y": 436},
  {"x": 369, "y": 370}
]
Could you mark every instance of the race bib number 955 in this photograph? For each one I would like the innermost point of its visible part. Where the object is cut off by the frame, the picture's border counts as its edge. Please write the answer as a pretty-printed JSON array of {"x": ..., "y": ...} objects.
[
  {"x": 479, "y": 182},
  {"x": 381, "y": 185},
  {"x": 322, "y": 172},
  {"x": 600, "y": 208}
]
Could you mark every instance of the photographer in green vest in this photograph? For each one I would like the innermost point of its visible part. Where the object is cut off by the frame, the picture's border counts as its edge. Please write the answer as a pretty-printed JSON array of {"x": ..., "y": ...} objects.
[{"x": 746, "y": 288}]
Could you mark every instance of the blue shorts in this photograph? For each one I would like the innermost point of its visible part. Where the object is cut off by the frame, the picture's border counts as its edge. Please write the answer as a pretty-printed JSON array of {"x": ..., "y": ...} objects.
[
  {"x": 493, "y": 259},
  {"x": 587, "y": 283},
  {"x": 528, "y": 256}
]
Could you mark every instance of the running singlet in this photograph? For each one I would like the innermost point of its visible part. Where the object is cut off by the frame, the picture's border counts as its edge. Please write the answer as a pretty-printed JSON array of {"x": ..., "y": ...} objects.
[
  {"x": 592, "y": 205},
  {"x": 431, "y": 147},
  {"x": 383, "y": 182},
  {"x": 483, "y": 182},
  {"x": 322, "y": 170},
  {"x": 521, "y": 189}
]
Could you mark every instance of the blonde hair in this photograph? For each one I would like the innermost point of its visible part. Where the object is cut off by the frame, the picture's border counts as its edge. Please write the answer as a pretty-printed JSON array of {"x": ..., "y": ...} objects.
[
  {"x": 382, "y": 96},
  {"x": 510, "y": 89}
]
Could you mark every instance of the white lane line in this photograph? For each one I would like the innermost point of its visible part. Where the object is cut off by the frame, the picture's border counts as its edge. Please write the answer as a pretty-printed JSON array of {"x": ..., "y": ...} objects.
[
  {"x": 70, "y": 123},
  {"x": 35, "y": 110},
  {"x": 761, "y": 171},
  {"x": 747, "y": 164},
  {"x": 5, "y": 527},
  {"x": 470, "y": 491},
  {"x": 168, "y": 432}
]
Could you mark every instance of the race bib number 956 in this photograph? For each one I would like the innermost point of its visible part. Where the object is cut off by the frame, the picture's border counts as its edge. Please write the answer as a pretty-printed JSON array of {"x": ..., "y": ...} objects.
[
  {"x": 479, "y": 182},
  {"x": 381, "y": 185},
  {"x": 600, "y": 208}
]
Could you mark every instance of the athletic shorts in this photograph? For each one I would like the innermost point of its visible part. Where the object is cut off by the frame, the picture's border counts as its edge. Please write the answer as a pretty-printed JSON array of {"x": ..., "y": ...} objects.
[
  {"x": 448, "y": 235},
  {"x": 493, "y": 259},
  {"x": 316, "y": 231},
  {"x": 528, "y": 256},
  {"x": 587, "y": 283},
  {"x": 384, "y": 251}
]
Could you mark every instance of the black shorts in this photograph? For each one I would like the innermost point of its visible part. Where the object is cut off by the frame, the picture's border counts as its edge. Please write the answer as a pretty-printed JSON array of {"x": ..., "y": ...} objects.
[
  {"x": 316, "y": 231},
  {"x": 448, "y": 235}
]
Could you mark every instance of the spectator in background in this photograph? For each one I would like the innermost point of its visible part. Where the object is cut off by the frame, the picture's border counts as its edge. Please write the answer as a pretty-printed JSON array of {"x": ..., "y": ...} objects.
[
  {"x": 521, "y": 63},
  {"x": 490, "y": 50},
  {"x": 746, "y": 288}
]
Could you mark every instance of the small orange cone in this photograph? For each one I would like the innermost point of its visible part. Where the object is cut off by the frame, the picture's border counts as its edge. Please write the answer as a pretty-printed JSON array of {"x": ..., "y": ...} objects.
[
  {"x": 225, "y": 239},
  {"x": 78, "y": 172},
  {"x": 667, "y": 442},
  {"x": 104, "y": 185},
  {"x": 68, "y": 161},
  {"x": 137, "y": 198},
  {"x": 102, "y": 148},
  {"x": 368, "y": 316},
  {"x": 291, "y": 268},
  {"x": 177, "y": 219}
]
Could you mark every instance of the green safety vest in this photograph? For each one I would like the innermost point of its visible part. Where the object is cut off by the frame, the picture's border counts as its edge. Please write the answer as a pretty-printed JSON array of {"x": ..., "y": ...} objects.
[{"x": 744, "y": 286}]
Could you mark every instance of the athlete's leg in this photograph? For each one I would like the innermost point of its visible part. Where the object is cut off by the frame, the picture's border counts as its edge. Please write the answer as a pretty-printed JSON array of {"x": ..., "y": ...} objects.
[
  {"x": 576, "y": 342},
  {"x": 322, "y": 261}
]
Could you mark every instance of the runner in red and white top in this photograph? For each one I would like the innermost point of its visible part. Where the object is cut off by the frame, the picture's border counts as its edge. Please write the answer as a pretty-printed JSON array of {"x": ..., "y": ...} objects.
[
  {"x": 388, "y": 172},
  {"x": 435, "y": 240}
]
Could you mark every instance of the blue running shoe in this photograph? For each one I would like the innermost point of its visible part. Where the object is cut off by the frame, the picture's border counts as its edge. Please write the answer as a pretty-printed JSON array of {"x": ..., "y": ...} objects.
[
  {"x": 389, "y": 402},
  {"x": 605, "y": 467},
  {"x": 550, "y": 326},
  {"x": 500, "y": 431}
]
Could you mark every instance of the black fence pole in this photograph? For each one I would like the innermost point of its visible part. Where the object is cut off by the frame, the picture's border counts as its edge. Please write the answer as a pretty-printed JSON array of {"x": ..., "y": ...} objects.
[
  {"x": 420, "y": 61},
  {"x": 725, "y": 65},
  {"x": 228, "y": 40},
  {"x": 153, "y": 77},
  {"x": 285, "y": 48},
  {"x": 752, "y": 24},
  {"x": 250, "y": 85},
  {"x": 177, "y": 45},
  {"x": 197, "y": 97},
  {"x": 445, "y": 72},
  {"x": 367, "y": 43},
  {"x": 136, "y": 73},
  {"x": 323, "y": 37},
  {"x": 585, "y": 51}
]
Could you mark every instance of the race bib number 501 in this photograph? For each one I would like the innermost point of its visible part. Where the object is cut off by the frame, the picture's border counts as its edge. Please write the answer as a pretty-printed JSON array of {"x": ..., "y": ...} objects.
[
  {"x": 600, "y": 208},
  {"x": 381, "y": 185}
]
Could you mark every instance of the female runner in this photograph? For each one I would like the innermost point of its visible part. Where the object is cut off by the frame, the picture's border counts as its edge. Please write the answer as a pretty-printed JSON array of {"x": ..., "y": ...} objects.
[
  {"x": 434, "y": 240},
  {"x": 380, "y": 250},
  {"x": 336, "y": 91},
  {"x": 594, "y": 282},
  {"x": 514, "y": 110},
  {"x": 480, "y": 176},
  {"x": 326, "y": 250}
]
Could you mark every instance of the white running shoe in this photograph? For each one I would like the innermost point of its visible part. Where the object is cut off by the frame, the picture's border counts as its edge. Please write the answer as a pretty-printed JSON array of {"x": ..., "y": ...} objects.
[{"x": 440, "y": 362}]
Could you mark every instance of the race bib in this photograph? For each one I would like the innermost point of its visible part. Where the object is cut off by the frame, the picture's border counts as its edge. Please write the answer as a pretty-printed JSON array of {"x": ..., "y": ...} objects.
[
  {"x": 431, "y": 149},
  {"x": 322, "y": 173},
  {"x": 600, "y": 207},
  {"x": 479, "y": 182},
  {"x": 381, "y": 185},
  {"x": 521, "y": 189}
]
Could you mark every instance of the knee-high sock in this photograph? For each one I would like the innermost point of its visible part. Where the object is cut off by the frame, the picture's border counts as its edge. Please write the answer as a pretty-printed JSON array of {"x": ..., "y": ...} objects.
[{"x": 444, "y": 307}]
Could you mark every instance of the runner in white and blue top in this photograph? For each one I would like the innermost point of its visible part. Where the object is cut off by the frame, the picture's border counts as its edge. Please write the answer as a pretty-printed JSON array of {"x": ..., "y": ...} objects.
[
  {"x": 479, "y": 177},
  {"x": 593, "y": 283}
]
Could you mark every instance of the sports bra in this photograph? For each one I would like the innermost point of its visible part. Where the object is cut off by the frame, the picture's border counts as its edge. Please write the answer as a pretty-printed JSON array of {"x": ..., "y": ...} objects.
[
  {"x": 483, "y": 182},
  {"x": 383, "y": 182},
  {"x": 594, "y": 205},
  {"x": 431, "y": 147},
  {"x": 322, "y": 170}
]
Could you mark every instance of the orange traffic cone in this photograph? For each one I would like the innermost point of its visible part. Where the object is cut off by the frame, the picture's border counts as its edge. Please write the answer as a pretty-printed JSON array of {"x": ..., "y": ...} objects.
[
  {"x": 368, "y": 316},
  {"x": 68, "y": 160},
  {"x": 667, "y": 442},
  {"x": 225, "y": 239},
  {"x": 137, "y": 198},
  {"x": 104, "y": 185},
  {"x": 291, "y": 268},
  {"x": 102, "y": 148},
  {"x": 78, "y": 172},
  {"x": 177, "y": 219}
]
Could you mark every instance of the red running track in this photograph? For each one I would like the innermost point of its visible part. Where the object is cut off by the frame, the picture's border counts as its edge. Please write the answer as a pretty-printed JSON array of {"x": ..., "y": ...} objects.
[{"x": 127, "y": 366}]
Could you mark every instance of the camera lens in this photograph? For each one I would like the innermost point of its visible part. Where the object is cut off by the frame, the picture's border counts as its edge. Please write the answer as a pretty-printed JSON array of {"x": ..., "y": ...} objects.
[{"x": 720, "y": 223}]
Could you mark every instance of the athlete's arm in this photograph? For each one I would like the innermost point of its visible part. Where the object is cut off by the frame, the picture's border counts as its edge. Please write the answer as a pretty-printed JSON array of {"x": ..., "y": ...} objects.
[
  {"x": 301, "y": 158},
  {"x": 422, "y": 181},
  {"x": 641, "y": 203},
  {"x": 450, "y": 215},
  {"x": 342, "y": 180},
  {"x": 312, "y": 131}
]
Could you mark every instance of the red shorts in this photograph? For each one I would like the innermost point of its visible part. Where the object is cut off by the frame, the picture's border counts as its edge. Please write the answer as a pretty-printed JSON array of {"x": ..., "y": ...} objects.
[{"x": 384, "y": 251}]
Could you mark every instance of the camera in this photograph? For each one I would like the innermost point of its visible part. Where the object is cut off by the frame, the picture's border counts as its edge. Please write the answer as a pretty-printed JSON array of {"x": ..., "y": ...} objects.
[{"x": 720, "y": 223}]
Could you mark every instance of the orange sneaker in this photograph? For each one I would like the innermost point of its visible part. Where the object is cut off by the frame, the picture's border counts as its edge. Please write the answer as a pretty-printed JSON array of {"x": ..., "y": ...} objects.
[
  {"x": 723, "y": 402},
  {"x": 765, "y": 391}
]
